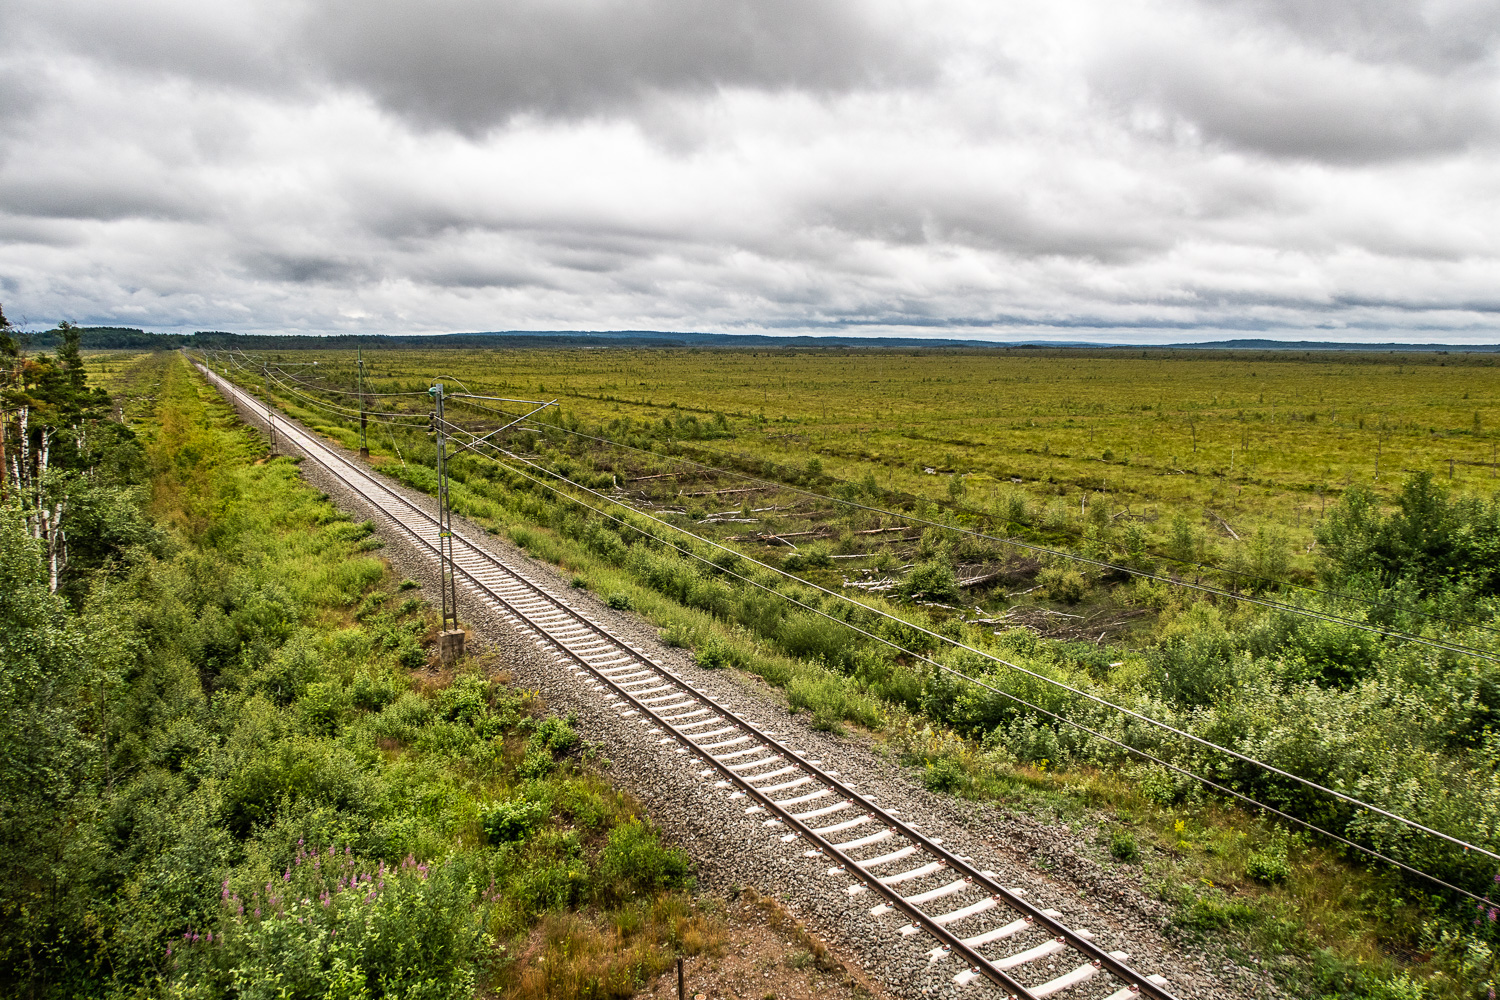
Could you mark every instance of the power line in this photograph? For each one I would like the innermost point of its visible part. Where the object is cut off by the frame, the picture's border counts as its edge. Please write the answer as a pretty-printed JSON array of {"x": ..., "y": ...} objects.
[
  {"x": 1412, "y": 824},
  {"x": 1325, "y": 616},
  {"x": 1006, "y": 694},
  {"x": 344, "y": 411},
  {"x": 1238, "y": 574}
]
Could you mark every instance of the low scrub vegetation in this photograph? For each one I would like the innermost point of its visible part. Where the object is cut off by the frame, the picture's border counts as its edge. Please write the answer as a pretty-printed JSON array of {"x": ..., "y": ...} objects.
[
  {"x": 229, "y": 770},
  {"x": 1252, "y": 497}
]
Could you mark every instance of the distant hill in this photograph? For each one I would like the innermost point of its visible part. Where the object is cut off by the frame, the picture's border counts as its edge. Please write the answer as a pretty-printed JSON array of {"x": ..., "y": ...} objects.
[
  {"x": 1324, "y": 345},
  {"x": 129, "y": 338}
]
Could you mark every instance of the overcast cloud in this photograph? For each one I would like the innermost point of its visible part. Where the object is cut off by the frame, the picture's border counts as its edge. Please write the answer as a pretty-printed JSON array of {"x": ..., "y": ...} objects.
[{"x": 1138, "y": 170}]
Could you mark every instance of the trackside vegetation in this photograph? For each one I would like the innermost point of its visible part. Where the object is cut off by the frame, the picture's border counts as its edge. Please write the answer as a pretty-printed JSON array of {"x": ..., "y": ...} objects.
[
  {"x": 1339, "y": 508},
  {"x": 229, "y": 770}
]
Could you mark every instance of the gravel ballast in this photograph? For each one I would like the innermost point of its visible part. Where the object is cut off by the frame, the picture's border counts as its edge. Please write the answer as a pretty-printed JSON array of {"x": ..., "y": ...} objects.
[{"x": 1049, "y": 862}]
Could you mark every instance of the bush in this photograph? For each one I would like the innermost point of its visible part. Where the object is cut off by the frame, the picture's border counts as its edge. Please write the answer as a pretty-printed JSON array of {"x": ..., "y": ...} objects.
[
  {"x": 1163, "y": 787},
  {"x": 634, "y": 862},
  {"x": 620, "y": 601},
  {"x": 930, "y": 581},
  {"x": 1196, "y": 661},
  {"x": 511, "y": 820},
  {"x": 537, "y": 764},
  {"x": 1269, "y": 865},
  {"x": 555, "y": 735},
  {"x": 715, "y": 654},
  {"x": 813, "y": 557},
  {"x": 1122, "y": 846},
  {"x": 943, "y": 775},
  {"x": 679, "y": 635},
  {"x": 409, "y": 928},
  {"x": 813, "y": 637},
  {"x": 1062, "y": 583}
]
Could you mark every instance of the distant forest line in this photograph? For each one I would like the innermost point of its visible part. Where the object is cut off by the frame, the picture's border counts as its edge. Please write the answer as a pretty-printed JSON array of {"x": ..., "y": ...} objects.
[{"x": 129, "y": 338}]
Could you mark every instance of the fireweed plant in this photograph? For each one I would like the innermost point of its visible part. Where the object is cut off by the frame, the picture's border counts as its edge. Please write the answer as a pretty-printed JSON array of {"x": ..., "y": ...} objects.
[
  {"x": 1313, "y": 481},
  {"x": 229, "y": 770}
]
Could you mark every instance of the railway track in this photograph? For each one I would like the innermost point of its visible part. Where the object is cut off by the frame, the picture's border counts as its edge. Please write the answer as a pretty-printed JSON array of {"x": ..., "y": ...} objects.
[{"x": 981, "y": 929}]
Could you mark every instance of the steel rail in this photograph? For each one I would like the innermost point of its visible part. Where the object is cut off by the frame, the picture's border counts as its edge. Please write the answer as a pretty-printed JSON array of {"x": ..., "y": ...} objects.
[
  {"x": 1096, "y": 699},
  {"x": 1032, "y": 706},
  {"x": 952, "y": 944}
]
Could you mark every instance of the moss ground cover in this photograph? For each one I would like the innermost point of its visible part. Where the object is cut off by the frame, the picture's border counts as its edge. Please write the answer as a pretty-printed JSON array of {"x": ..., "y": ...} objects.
[
  {"x": 231, "y": 772},
  {"x": 1408, "y": 727}
]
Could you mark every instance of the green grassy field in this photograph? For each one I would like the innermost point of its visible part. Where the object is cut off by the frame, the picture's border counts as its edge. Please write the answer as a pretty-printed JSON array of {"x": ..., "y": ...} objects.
[
  {"x": 1262, "y": 439},
  {"x": 1195, "y": 467}
]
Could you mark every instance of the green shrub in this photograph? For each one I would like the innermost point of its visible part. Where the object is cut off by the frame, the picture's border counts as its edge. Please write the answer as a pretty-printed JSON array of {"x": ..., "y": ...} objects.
[
  {"x": 537, "y": 764},
  {"x": 679, "y": 635},
  {"x": 1163, "y": 787},
  {"x": 511, "y": 819},
  {"x": 812, "y": 637},
  {"x": 1122, "y": 846},
  {"x": 814, "y": 556},
  {"x": 944, "y": 775},
  {"x": 620, "y": 601},
  {"x": 1270, "y": 864},
  {"x": 408, "y": 584},
  {"x": 715, "y": 654},
  {"x": 930, "y": 581},
  {"x": 372, "y": 691},
  {"x": 402, "y": 719},
  {"x": 323, "y": 706},
  {"x": 1062, "y": 583},
  {"x": 554, "y": 735},
  {"x": 1213, "y": 911},
  {"x": 410, "y": 653},
  {"x": 634, "y": 862},
  {"x": 336, "y": 930},
  {"x": 1197, "y": 661}
]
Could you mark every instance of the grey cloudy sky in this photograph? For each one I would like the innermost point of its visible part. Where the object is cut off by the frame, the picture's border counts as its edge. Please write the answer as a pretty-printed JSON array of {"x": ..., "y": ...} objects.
[{"x": 1137, "y": 170}]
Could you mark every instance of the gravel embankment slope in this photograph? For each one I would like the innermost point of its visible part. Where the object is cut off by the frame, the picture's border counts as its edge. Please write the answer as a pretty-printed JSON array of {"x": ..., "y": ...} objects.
[{"x": 1049, "y": 862}]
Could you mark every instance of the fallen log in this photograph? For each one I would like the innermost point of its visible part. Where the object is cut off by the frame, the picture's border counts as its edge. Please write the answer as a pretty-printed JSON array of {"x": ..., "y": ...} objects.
[{"x": 714, "y": 493}]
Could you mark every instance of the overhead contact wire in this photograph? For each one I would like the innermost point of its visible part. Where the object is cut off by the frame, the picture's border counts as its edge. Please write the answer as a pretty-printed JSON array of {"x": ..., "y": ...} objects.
[
  {"x": 1059, "y": 553},
  {"x": 1270, "y": 768}
]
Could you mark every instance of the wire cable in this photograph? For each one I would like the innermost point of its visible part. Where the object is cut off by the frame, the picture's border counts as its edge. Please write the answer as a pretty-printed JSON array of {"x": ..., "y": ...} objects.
[
  {"x": 1103, "y": 702},
  {"x": 1412, "y": 824},
  {"x": 1237, "y": 574},
  {"x": 1324, "y": 616},
  {"x": 1328, "y": 617},
  {"x": 389, "y": 418}
]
